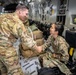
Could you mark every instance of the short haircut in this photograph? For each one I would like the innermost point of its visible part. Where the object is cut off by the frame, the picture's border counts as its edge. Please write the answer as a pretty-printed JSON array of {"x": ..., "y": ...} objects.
[{"x": 21, "y": 6}]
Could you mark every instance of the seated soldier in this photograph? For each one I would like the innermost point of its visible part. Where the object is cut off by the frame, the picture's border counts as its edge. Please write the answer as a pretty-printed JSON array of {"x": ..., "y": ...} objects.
[{"x": 60, "y": 47}]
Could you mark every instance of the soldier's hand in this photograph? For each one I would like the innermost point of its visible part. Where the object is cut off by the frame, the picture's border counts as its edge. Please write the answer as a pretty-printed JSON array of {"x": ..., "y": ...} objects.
[
  {"x": 54, "y": 55},
  {"x": 39, "y": 49}
]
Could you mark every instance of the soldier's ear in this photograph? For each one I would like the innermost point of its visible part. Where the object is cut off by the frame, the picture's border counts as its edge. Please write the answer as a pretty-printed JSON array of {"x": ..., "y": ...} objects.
[
  {"x": 19, "y": 12},
  {"x": 57, "y": 32}
]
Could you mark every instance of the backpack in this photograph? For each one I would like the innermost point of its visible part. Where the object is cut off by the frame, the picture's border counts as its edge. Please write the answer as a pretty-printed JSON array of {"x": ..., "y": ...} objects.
[{"x": 50, "y": 71}]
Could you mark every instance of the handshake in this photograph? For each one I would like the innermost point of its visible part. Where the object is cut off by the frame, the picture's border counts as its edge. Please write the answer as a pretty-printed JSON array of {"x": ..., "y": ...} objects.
[{"x": 38, "y": 48}]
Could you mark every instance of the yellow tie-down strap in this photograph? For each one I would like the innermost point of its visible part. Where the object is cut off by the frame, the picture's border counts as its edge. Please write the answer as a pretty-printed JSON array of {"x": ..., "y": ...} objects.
[{"x": 71, "y": 51}]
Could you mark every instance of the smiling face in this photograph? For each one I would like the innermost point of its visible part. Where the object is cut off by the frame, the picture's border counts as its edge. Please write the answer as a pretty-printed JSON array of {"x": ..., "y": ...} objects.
[{"x": 23, "y": 14}]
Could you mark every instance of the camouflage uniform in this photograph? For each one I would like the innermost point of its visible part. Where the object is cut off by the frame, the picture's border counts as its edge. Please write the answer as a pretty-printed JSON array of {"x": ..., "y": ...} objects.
[
  {"x": 11, "y": 27},
  {"x": 60, "y": 48},
  {"x": 35, "y": 34}
]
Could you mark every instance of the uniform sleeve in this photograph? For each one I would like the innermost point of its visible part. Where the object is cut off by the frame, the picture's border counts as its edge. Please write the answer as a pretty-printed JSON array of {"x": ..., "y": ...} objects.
[
  {"x": 18, "y": 30},
  {"x": 47, "y": 43},
  {"x": 63, "y": 50},
  {"x": 25, "y": 38}
]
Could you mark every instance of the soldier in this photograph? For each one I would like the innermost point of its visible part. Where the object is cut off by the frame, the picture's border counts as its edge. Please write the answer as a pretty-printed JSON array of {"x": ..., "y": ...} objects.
[
  {"x": 11, "y": 28},
  {"x": 60, "y": 47}
]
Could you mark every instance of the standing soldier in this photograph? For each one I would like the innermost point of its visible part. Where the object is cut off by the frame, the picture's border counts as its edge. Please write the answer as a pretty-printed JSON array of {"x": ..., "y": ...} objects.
[
  {"x": 60, "y": 54},
  {"x": 11, "y": 28}
]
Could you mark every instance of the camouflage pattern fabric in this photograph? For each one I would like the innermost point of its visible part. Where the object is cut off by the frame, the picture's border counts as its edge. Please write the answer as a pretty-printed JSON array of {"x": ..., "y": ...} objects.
[
  {"x": 49, "y": 61},
  {"x": 9, "y": 58},
  {"x": 60, "y": 46},
  {"x": 35, "y": 34},
  {"x": 3, "y": 69},
  {"x": 11, "y": 27}
]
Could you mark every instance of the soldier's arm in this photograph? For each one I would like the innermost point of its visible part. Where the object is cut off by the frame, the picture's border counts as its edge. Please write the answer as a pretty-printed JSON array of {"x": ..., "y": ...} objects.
[
  {"x": 47, "y": 43},
  {"x": 25, "y": 38},
  {"x": 17, "y": 29}
]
